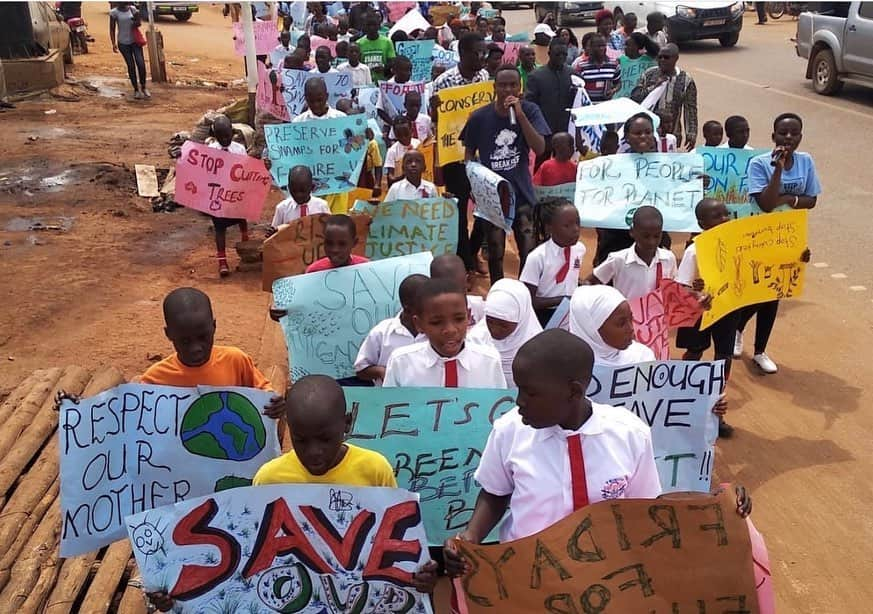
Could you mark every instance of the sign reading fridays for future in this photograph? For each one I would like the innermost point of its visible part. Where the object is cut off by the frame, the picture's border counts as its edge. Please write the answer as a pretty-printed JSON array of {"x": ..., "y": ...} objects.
[
  {"x": 434, "y": 437},
  {"x": 307, "y": 548},
  {"x": 139, "y": 446}
]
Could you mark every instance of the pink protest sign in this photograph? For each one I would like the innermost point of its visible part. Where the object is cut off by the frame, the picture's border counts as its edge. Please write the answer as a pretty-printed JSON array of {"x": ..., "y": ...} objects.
[
  {"x": 681, "y": 305},
  {"x": 650, "y": 323},
  {"x": 510, "y": 52},
  {"x": 396, "y": 10},
  {"x": 221, "y": 183},
  {"x": 317, "y": 41},
  {"x": 268, "y": 96},
  {"x": 266, "y": 37}
]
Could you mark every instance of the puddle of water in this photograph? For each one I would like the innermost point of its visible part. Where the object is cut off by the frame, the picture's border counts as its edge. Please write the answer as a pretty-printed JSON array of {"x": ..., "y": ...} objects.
[
  {"x": 57, "y": 181},
  {"x": 27, "y": 224},
  {"x": 106, "y": 86}
]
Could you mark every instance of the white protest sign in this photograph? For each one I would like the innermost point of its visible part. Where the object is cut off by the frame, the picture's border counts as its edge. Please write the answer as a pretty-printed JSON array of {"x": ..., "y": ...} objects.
[
  {"x": 394, "y": 96},
  {"x": 339, "y": 85},
  {"x": 445, "y": 57},
  {"x": 286, "y": 548},
  {"x": 485, "y": 185},
  {"x": 412, "y": 21},
  {"x": 609, "y": 189},
  {"x": 138, "y": 446},
  {"x": 675, "y": 398},
  {"x": 616, "y": 111},
  {"x": 561, "y": 316}
]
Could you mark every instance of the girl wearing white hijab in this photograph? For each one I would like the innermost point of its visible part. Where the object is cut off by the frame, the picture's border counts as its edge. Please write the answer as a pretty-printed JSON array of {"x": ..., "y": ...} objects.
[
  {"x": 509, "y": 322},
  {"x": 602, "y": 317}
]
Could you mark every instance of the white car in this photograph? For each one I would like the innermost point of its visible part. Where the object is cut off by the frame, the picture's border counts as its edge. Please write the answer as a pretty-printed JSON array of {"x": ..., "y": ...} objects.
[{"x": 690, "y": 20}]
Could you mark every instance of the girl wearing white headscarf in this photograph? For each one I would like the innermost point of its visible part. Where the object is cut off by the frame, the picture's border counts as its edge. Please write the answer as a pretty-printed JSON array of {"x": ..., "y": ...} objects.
[
  {"x": 602, "y": 317},
  {"x": 509, "y": 322}
]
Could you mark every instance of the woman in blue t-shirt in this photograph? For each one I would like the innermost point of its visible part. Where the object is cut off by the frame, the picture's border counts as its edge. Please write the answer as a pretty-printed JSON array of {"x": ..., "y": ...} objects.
[{"x": 782, "y": 180}]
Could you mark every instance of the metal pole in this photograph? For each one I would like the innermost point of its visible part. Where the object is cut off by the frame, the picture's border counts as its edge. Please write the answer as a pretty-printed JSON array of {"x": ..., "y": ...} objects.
[{"x": 251, "y": 59}]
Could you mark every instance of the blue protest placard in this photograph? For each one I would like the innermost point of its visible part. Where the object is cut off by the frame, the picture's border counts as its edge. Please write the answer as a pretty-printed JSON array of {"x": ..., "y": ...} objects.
[
  {"x": 433, "y": 437},
  {"x": 368, "y": 99},
  {"x": 330, "y": 312},
  {"x": 564, "y": 190},
  {"x": 136, "y": 447},
  {"x": 445, "y": 57},
  {"x": 675, "y": 398},
  {"x": 339, "y": 85},
  {"x": 333, "y": 149},
  {"x": 485, "y": 187},
  {"x": 314, "y": 548},
  {"x": 728, "y": 172},
  {"x": 610, "y": 188},
  {"x": 403, "y": 227},
  {"x": 420, "y": 53}
]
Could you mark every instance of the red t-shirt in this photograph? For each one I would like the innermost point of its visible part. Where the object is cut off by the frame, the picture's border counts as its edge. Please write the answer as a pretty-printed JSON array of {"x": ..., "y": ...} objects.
[
  {"x": 324, "y": 264},
  {"x": 553, "y": 172}
]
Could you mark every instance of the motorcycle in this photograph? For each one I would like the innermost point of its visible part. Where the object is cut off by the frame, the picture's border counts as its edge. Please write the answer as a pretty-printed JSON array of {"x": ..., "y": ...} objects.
[
  {"x": 775, "y": 10},
  {"x": 71, "y": 14}
]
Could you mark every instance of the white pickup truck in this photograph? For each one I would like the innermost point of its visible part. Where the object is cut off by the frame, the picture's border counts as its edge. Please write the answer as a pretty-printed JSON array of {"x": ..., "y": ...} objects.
[{"x": 837, "y": 42}]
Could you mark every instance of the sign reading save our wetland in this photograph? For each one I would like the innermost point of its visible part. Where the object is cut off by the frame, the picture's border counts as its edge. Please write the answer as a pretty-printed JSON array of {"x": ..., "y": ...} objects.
[{"x": 138, "y": 446}]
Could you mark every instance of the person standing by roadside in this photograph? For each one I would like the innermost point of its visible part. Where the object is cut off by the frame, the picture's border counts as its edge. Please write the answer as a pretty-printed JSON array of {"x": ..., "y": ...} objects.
[
  {"x": 761, "y": 10},
  {"x": 551, "y": 89},
  {"x": 124, "y": 19},
  {"x": 674, "y": 90}
]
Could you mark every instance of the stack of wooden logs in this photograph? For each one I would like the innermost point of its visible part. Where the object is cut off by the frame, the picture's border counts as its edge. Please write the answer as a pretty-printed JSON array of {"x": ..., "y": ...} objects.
[{"x": 33, "y": 577}]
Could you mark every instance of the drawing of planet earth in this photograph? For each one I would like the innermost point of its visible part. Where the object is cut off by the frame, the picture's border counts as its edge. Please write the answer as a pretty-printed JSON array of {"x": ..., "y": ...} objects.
[{"x": 223, "y": 425}]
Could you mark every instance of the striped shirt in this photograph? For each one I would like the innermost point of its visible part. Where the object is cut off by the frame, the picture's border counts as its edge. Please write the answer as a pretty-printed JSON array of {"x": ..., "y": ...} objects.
[{"x": 600, "y": 79}]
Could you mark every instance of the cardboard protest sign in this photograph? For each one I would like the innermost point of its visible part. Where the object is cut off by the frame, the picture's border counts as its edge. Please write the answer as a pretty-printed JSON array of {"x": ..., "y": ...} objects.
[
  {"x": 445, "y": 57},
  {"x": 330, "y": 312},
  {"x": 139, "y": 446},
  {"x": 368, "y": 99},
  {"x": 442, "y": 14},
  {"x": 403, "y": 227},
  {"x": 220, "y": 183},
  {"x": 561, "y": 317},
  {"x": 510, "y": 51},
  {"x": 610, "y": 188},
  {"x": 433, "y": 437},
  {"x": 394, "y": 96},
  {"x": 266, "y": 37},
  {"x": 752, "y": 260},
  {"x": 664, "y": 555},
  {"x": 675, "y": 398},
  {"x": 564, "y": 190},
  {"x": 631, "y": 71},
  {"x": 299, "y": 244},
  {"x": 485, "y": 187},
  {"x": 278, "y": 55},
  {"x": 339, "y": 86},
  {"x": 728, "y": 172},
  {"x": 268, "y": 96},
  {"x": 285, "y": 548},
  {"x": 654, "y": 314},
  {"x": 333, "y": 149},
  {"x": 420, "y": 53},
  {"x": 456, "y": 105},
  {"x": 427, "y": 150}
]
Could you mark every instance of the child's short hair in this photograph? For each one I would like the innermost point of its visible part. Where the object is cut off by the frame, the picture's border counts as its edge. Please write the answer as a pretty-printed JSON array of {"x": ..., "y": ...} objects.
[
  {"x": 402, "y": 60},
  {"x": 445, "y": 266},
  {"x": 563, "y": 136},
  {"x": 558, "y": 354},
  {"x": 410, "y": 288},
  {"x": 711, "y": 124},
  {"x": 609, "y": 136},
  {"x": 315, "y": 393},
  {"x": 494, "y": 48},
  {"x": 784, "y": 116},
  {"x": 299, "y": 171},
  {"x": 342, "y": 221},
  {"x": 647, "y": 213},
  {"x": 401, "y": 120},
  {"x": 733, "y": 122},
  {"x": 544, "y": 213},
  {"x": 183, "y": 300},
  {"x": 436, "y": 286}
]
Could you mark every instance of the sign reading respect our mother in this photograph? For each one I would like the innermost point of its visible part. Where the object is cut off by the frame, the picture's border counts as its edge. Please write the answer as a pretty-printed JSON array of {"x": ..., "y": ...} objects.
[
  {"x": 610, "y": 188},
  {"x": 333, "y": 149},
  {"x": 286, "y": 548},
  {"x": 635, "y": 556},
  {"x": 220, "y": 183},
  {"x": 136, "y": 447},
  {"x": 330, "y": 312},
  {"x": 455, "y": 106}
]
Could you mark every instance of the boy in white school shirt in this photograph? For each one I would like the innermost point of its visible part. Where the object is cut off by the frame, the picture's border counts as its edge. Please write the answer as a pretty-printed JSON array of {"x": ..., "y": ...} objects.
[
  {"x": 358, "y": 71},
  {"x": 451, "y": 267},
  {"x": 390, "y": 334},
  {"x": 638, "y": 269},
  {"x": 446, "y": 359},
  {"x": 412, "y": 186},
  {"x": 301, "y": 203},
  {"x": 551, "y": 271},
  {"x": 405, "y": 144}
]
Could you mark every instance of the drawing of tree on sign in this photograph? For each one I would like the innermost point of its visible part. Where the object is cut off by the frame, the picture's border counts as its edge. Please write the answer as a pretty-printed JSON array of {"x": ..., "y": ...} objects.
[
  {"x": 721, "y": 255},
  {"x": 739, "y": 283},
  {"x": 786, "y": 281}
]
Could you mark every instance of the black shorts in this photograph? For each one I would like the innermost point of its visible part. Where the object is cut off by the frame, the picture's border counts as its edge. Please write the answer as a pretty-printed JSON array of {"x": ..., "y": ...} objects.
[{"x": 223, "y": 223}]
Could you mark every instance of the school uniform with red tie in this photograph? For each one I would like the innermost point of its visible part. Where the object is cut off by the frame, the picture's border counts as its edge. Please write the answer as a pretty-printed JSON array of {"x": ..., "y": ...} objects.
[
  {"x": 418, "y": 365},
  {"x": 549, "y": 473},
  {"x": 554, "y": 271}
]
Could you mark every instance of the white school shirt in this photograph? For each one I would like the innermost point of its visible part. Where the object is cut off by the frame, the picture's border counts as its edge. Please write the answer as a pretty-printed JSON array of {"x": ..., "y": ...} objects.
[
  {"x": 234, "y": 147},
  {"x": 381, "y": 342},
  {"x": 630, "y": 275},
  {"x": 288, "y": 210},
  {"x": 543, "y": 264},
  {"x": 688, "y": 267},
  {"x": 532, "y": 466},
  {"x": 309, "y": 115},
  {"x": 475, "y": 309},
  {"x": 666, "y": 143},
  {"x": 403, "y": 190},
  {"x": 423, "y": 127},
  {"x": 419, "y": 365},
  {"x": 726, "y": 146},
  {"x": 360, "y": 74},
  {"x": 394, "y": 156}
]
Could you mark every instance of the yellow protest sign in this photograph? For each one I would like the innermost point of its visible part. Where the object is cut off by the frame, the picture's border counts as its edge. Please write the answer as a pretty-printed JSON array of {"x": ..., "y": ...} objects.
[
  {"x": 456, "y": 104},
  {"x": 426, "y": 150},
  {"x": 752, "y": 260},
  {"x": 664, "y": 555}
]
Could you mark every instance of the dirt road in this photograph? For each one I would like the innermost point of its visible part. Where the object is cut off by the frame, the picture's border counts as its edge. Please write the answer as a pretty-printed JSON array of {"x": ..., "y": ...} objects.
[{"x": 90, "y": 294}]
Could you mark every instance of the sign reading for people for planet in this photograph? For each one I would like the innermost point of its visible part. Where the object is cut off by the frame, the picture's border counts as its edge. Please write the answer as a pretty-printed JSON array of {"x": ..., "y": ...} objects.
[
  {"x": 138, "y": 446},
  {"x": 286, "y": 548}
]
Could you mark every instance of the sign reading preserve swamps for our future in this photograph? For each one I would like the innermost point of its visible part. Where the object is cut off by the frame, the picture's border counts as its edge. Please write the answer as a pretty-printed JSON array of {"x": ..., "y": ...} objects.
[{"x": 139, "y": 446}]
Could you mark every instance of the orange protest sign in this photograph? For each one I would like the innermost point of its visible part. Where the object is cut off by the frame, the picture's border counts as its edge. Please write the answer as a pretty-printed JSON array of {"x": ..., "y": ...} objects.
[
  {"x": 664, "y": 555},
  {"x": 299, "y": 244}
]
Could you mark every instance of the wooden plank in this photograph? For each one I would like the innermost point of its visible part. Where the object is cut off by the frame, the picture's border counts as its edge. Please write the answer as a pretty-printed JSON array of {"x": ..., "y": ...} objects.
[
  {"x": 26, "y": 530},
  {"x": 146, "y": 180},
  {"x": 105, "y": 584},
  {"x": 23, "y": 415},
  {"x": 40, "y": 548}
]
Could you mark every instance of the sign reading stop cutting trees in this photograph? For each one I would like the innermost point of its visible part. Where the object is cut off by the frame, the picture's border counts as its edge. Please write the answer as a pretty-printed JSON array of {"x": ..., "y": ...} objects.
[{"x": 136, "y": 447}]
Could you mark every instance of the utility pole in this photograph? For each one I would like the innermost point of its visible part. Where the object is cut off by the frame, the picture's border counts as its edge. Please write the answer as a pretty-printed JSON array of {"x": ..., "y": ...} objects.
[
  {"x": 251, "y": 59},
  {"x": 156, "y": 48}
]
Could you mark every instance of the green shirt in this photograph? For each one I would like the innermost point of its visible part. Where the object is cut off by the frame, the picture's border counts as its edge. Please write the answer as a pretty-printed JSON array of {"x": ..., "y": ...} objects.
[
  {"x": 631, "y": 71},
  {"x": 524, "y": 74},
  {"x": 375, "y": 54}
]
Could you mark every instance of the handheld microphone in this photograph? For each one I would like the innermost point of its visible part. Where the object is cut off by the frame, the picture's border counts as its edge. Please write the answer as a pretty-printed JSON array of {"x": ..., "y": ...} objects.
[{"x": 512, "y": 121}]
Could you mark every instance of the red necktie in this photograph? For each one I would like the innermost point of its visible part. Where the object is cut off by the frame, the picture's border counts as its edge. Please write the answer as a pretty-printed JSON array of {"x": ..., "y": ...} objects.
[
  {"x": 577, "y": 471},
  {"x": 304, "y": 210},
  {"x": 562, "y": 272},
  {"x": 451, "y": 380}
]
